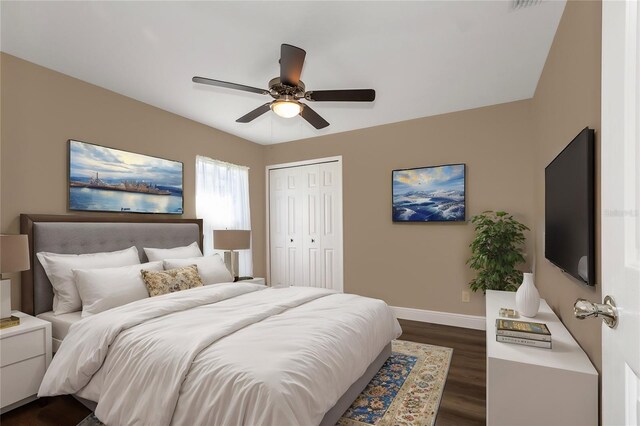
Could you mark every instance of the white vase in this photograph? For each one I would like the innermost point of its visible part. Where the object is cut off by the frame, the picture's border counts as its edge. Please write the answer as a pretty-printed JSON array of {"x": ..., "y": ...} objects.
[{"x": 527, "y": 297}]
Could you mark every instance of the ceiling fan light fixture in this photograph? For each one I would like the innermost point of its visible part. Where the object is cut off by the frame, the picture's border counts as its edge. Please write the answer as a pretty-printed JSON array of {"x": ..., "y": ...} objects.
[
  {"x": 287, "y": 89},
  {"x": 286, "y": 109}
]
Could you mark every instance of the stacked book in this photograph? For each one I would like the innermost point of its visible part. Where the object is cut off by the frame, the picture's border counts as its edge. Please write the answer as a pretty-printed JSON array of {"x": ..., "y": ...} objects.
[
  {"x": 523, "y": 333},
  {"x": 9, "y": 322}
]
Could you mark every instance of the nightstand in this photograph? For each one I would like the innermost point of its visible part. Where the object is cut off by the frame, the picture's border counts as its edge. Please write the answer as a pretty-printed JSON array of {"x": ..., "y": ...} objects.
[
  {"x": 254, "y": 280},
  {"x": 25, "y": 354}
]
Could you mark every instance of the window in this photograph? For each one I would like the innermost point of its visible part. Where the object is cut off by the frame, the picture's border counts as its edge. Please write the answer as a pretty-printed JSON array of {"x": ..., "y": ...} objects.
[{"x": 222, "y": 202}]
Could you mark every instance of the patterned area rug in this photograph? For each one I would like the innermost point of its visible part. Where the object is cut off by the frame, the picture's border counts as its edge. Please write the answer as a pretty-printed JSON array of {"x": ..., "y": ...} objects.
[
  {"x": 407, "y": 389},
  {"x": 405, "y": 392}
]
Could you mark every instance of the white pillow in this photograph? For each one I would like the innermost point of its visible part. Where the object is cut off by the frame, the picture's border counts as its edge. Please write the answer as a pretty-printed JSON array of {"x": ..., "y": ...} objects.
[
  {"x": 212, "y": 269},
  {"x": 102, "y": 289},
  {"x": 59, "y": 270},
  {"x": 155, "y": 254}
]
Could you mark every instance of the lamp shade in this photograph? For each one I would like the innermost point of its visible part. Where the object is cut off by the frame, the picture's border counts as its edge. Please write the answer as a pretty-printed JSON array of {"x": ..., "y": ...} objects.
[
  {"x": 14, "y": 253},
  {"x": 231, "y": 239}
]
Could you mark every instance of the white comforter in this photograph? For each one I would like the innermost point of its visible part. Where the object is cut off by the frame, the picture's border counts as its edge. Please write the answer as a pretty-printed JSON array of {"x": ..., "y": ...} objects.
[{"x": 225, "y": 354}]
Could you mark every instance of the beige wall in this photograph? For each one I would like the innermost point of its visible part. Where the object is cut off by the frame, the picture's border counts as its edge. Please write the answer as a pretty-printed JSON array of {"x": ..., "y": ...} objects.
[
  {"x": 566, "y": 100},
  {"x": 42, "y": 109},
  {"x": 423, "y": 265}
]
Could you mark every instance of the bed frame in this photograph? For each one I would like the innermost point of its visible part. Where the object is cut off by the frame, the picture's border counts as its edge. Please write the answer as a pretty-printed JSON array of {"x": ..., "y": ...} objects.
[
  {"x": 69, "y": 234},
  {"x": 75, "y": 234}
]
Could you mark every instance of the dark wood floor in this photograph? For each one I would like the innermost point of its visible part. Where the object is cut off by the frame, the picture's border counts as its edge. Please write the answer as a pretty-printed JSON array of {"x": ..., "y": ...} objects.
[{"x": 463, "y": 401}]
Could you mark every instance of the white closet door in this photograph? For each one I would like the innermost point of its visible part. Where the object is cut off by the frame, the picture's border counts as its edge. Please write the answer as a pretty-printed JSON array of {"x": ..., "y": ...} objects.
[
  {"x": 331, "y": 225},
  {"x": 294, "y": 237},
  {"x": 311, "y": 225},
  {"x": 285, "y": 223},
  {"x": 278, "y": 226},
  {"x": 305, "y": 225}
]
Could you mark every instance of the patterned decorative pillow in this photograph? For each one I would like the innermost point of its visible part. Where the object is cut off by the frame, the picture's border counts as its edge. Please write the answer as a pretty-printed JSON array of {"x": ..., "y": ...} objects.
[{"x": 171, "y": 280}]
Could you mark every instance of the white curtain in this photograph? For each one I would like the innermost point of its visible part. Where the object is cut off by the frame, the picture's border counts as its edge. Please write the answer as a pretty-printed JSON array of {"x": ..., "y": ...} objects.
[{"x": 222, "y": 201}]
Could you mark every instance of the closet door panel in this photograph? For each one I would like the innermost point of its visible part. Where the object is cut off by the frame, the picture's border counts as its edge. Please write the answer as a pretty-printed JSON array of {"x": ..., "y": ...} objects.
[
  {"x": 278, "y": 226},
  {"x": 331, "y": 225},
  {"x": 294, "y": 235},
  {"x": 311, "y": 226}
]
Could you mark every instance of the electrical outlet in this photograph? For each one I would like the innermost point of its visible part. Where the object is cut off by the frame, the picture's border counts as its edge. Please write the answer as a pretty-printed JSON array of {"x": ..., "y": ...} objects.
[{"x": 466, "y": 297}]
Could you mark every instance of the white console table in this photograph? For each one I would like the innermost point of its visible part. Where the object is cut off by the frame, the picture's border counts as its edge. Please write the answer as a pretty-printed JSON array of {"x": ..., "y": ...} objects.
[{"x": 535, "y": 386}]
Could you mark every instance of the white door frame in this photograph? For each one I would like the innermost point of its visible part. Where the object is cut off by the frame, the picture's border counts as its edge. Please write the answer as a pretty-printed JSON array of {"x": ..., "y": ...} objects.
[{"x": 270, "y": 167}]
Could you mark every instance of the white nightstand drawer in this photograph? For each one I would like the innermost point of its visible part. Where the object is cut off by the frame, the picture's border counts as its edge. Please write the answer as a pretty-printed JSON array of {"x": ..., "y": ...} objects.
[
  {"x": 21, "y": 346},
  {"x": 21, "y": 380}
]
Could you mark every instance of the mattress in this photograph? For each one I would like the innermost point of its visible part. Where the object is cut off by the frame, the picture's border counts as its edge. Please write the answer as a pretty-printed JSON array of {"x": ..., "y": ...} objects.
[{"x": 60, "y": 324}]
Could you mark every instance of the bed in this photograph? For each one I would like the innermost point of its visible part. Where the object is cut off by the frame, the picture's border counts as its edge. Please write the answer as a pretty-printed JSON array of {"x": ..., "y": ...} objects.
[{"x": 275, "y": 356}]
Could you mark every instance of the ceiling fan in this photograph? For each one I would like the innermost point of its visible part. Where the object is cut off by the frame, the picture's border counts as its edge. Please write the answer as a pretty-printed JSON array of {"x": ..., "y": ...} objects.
[{"x": 287, "y": 91}]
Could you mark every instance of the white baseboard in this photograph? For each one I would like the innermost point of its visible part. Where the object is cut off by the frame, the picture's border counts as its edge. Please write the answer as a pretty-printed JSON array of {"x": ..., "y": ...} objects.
[{"x": 445, "y": 318}]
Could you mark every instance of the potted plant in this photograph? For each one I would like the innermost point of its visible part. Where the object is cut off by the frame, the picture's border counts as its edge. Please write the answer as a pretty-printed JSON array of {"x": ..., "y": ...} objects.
[{"x": 496, "y": 251}]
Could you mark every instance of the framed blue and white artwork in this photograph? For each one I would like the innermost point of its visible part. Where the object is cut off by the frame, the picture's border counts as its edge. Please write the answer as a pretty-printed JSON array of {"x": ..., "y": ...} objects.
[
  {"x": 104, "y": 179},
  {"x": 429, "y": 194}
]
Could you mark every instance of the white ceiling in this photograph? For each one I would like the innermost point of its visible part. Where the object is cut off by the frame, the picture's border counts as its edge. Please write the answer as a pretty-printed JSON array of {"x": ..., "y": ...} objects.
[{"x": 422, "y": 58}]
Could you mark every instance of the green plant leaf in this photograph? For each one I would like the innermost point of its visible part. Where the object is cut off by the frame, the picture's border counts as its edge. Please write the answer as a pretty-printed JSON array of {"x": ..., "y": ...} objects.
[{"x": 496, "y": 251}]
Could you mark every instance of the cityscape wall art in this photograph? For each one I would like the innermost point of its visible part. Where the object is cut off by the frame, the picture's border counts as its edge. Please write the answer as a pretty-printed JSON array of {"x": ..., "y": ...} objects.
[
  {"x": 110, "y": 180},
  {"x": 429, "y": 194}
]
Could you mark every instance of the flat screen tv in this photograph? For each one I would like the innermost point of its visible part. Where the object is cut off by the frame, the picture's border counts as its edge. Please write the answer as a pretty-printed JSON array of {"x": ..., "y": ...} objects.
[{"x": 569, "y": 209}]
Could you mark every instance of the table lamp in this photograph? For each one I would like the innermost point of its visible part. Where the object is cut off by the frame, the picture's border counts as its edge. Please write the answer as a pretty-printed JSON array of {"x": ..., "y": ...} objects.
[
  {"x": 231, "y": 240},
  {"x": 14, "y": 257}
]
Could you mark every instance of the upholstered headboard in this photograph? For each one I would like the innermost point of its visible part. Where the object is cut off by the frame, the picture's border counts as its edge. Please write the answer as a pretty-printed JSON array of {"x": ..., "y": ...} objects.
[{"x": 84, "y": 234}]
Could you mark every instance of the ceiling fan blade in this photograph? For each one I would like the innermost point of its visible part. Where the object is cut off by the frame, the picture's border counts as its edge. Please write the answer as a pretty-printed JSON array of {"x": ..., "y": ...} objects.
[
  {"x": 313, "y": 118},
  {"x": 291, "y": 62},
  {"x": 352, "y": 95},
  {"x": 254, "y": 114},
  {"x": 227, "y": 85}
]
